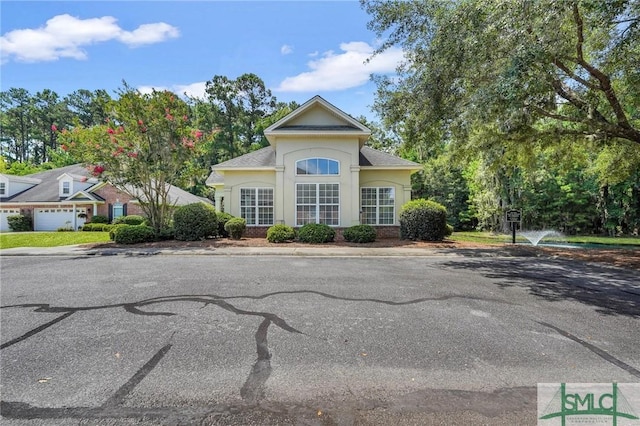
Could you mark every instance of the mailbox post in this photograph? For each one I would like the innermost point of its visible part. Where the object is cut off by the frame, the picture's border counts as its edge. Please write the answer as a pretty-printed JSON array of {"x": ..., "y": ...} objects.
[{"x": 513, "y": 217}]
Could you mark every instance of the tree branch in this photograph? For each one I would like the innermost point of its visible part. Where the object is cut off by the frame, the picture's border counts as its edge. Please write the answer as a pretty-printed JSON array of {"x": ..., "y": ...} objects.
[{"x": 605, "y": 81}]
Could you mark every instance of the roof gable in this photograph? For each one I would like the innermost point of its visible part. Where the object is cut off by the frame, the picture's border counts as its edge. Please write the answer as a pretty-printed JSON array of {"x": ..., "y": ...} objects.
[{"x": 317, "y": 116}]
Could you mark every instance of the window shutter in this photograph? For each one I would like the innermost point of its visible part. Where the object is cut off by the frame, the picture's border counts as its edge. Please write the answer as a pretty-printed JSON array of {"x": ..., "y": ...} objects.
[
  {"x": 124, "y": 209},
  {"x": 110, "y": 212}
]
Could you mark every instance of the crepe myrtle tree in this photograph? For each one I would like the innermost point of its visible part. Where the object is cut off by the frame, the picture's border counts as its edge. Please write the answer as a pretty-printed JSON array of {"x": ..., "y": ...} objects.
[{"x": 142, "y": 148}]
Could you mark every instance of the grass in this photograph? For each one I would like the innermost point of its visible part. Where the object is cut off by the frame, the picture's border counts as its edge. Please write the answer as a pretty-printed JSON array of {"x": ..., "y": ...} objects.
[
  {"x": 50, "y": 239},
  {"x": 492, "y": 238}
]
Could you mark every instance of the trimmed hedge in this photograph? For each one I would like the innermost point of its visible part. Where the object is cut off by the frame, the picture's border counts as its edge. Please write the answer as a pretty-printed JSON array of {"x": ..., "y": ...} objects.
[
  {"x": 99, "y": 219},
  {"x": 223, "y": 218},
  {"x": 133, "y": 234},
  {"x": 235, "y": 227},
  {"x": 194, "y": 222},
  {"x": 423, "y": 220},
  {"x": 20, "y": 223},
  {"x": 96, "y": 227},
  {"x": 360, "y": 234},
  {"x": 280, "y": 233},
  {"x": 132, "y": 219},
  {"x": 316, "y": 233},
  {"x": 114, "y": 228}
]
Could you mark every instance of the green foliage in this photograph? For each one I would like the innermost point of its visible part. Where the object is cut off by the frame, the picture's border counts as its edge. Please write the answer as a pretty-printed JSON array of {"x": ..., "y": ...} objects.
[
  {"x": 97, "y": 227},
  {"x": 223, "y": 218},
  {"x": 280, "y": 233},
  {"x": 131, "y": 219},
  {"x": 99, "y": 219},
  {"x": 142, "y": 148},
  {"x": 194, "y": 222},
  {"x": 534, "y": 70},
  {"x": 236, "y": 227},
  {"x": 423, "y": 220},
  {"x": 316, "y": 233},
  {"x": 133, "y": 234},
  {"x": 360, "y": 234},
  {"x": 167, "y": 233},
  {"x": 65, "y": 229},
  {"x": 20, "y": 223},
  {"x": 114, "y": 229}
]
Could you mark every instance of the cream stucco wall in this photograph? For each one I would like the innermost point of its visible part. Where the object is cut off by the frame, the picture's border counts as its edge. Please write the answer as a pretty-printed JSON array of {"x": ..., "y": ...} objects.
[
  {"x": 398, "y": 179},
  {"x": 345, "y": 151},
  {"x": 236, "y": 179}
]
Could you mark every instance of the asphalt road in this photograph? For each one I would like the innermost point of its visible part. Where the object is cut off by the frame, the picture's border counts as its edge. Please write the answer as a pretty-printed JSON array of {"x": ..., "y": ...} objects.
[{"x": 306, "y": 340}]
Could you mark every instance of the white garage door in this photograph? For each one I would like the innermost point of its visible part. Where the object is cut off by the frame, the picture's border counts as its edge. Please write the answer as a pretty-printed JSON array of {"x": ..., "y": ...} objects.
[
  {"x": 4, "y": 214},
  {"x": 54, "y": 218}
]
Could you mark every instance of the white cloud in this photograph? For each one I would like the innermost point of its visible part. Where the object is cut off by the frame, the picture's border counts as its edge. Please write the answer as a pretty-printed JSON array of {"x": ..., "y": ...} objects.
[
  {"x": 343, "y": 70},
  {"x": 286, "y": 49},
  {"x": 64, "y": 36},
  {"x": 195, "y": 90}
]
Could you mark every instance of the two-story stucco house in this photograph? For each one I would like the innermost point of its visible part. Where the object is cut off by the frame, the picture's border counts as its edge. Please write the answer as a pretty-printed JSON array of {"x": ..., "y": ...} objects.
[{"x": 316, "y": 169}]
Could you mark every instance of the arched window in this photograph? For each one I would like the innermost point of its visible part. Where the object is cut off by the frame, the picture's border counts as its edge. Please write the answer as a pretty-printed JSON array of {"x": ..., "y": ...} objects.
[{"x": 317, "y": 166}]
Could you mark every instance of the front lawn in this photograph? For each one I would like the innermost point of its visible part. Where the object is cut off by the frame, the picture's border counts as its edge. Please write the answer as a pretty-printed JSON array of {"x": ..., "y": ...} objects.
[
  {"x": 50, "y": 239},
  {"x": 492, "y": 238}
]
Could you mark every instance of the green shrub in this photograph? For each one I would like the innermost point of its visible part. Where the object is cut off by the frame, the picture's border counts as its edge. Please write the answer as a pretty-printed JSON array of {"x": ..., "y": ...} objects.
[
  {"x": 423, "y": 220},
  {"x": 20, "y": 223},
  {"x": 114, "y": 228},
  {"x": 235, "y": 227},
  {"x": 280, "y": 234},
  {"x": 167, "y": 233},
  {"x": 316, "y": 233},
  {"x": 360, "y": 234},
  {"x": 133, "y": 234},
  {"x": 64, "y": 229},
  {"x": 194, "y": 222},
  {"x": 99, "y": 219},
  {"x": 132, "y": 219},
  {"x": 223, "y": 218},
  {"x": 449, "y": 230}
]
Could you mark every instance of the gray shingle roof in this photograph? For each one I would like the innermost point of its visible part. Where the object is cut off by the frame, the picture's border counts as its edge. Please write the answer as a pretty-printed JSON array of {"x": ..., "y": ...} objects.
[
  {"x": 265, "y": 157},
  {"x": 48, "y": 189},
  {"x": 375, "y": 158}
]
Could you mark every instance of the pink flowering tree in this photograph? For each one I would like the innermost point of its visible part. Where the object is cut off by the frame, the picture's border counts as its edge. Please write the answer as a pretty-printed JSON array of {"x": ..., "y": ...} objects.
[{"x": 142, "y": 148}]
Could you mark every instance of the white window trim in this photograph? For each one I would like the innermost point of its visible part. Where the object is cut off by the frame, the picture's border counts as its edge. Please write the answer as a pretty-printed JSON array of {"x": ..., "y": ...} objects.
[
  {"x": 317, "y": 204},
  {"x": 317, "y": 174},
  {"x": 377, "y": 205},
  {"x": 257, "y": 207}
]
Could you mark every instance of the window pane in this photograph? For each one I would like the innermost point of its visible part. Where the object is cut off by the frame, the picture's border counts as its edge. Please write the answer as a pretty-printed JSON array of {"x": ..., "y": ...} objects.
[
  {"x": 248, "y": 214},
  {"x": 369, "y": 196},
  {"x": 386, "y": 216},
  {"x": 301, "y": 167},
  {"x": 386, "y": 196},
  {"x": 265, "y": 197},
  {"x": 247, "y": 197},
  {"x": 305, "y": 214},
  {"x": 334, "y": 169},
  {"x": 323, "y": 166},
  {"x": 329, "y": 215},
  {"x": 369, "y": 215}
]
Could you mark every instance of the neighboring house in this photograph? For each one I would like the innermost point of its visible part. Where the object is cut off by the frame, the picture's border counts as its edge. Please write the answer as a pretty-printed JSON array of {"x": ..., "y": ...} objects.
[
  {"x": 316, "y": 170},
  {"x": 68, "y": 197}
]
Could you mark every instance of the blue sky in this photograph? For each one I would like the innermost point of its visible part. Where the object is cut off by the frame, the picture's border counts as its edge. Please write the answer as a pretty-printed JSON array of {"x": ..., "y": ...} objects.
[{"x": 299, "y": 48}]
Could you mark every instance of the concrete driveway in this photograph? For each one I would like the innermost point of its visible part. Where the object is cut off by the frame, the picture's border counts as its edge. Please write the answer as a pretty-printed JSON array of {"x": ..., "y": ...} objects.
[{"x": 184, "y": 339}]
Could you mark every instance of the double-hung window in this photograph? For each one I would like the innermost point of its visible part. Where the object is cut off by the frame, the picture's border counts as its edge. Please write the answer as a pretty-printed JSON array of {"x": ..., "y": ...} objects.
[
  {"x": 318, "y": 203},
  {"x": 256, "y": 206},
  {"x": 378, "y": 206}
]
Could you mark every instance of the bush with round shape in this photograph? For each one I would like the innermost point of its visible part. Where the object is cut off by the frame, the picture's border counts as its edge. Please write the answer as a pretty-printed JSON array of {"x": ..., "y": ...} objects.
[
  {"x": 316, "y": 233},
  {"x": 114, "y": 228},
  {"x": 194, "y": 222},
  {"x": 423, "y": 220},
  {"x": 99, "y": 219},
  {"x": 235, "y": 227},
  {"x": 280, "y": 233},
  {"x": 360, "y": 234},
  {"x": 223, "y": 218},
  {"x": 20, "y": 223},
  {"x": 133, "y": 234},
  {"x": 132, "y": 219}
]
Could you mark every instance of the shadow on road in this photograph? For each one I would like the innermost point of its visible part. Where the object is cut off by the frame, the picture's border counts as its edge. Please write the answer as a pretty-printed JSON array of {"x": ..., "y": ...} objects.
[{"x": 611, "y": 291}]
